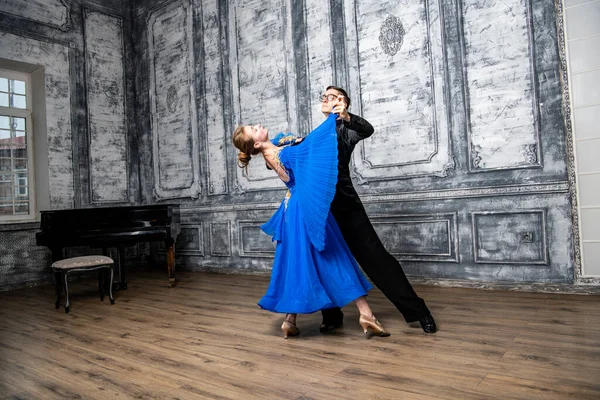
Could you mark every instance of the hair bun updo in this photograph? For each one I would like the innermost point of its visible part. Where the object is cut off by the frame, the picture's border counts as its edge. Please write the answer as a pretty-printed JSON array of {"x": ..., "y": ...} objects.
[{"x": 243, "y": 159}]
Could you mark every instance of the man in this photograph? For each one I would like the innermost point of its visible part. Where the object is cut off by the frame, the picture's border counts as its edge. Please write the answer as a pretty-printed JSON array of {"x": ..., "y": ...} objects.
[{"x": 381, "y": 267}]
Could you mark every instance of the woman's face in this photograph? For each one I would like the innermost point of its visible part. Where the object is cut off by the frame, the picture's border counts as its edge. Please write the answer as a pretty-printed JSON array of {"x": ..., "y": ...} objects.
[{"x": 258, "y": 132}]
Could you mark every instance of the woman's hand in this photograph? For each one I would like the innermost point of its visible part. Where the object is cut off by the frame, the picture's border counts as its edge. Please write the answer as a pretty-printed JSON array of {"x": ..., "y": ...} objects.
[{"x": 340, "y": 109}]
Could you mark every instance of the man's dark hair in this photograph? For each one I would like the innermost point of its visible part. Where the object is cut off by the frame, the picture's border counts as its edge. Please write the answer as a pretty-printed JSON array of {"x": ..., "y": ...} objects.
[{"x": 343, "y": 92}]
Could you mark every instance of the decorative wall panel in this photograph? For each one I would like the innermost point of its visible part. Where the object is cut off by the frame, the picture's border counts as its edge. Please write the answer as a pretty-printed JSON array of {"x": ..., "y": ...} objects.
[
  {"x": 319, "y": 48},
  {"x": 501, "y": 93},
  {"x": 105, "y": 82},
  {"x": 172, "y": 102},
  {"x": 54, "y": 13},
  {"x": 419, "y": 237},
  {"x": 263, "y": 79},
  {"x": 216, "y": 138},
  {"x": 398, "y": 75},
  {"x": 220, "y": 238},
  {"x": 253, "y": 242},
  {"x": 190, "y": 240},
  {"x": 510, "y": 237}
]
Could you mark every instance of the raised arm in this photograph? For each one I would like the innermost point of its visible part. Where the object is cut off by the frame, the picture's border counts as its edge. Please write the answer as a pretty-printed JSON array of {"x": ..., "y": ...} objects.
[{"x": 357, "y": 128}]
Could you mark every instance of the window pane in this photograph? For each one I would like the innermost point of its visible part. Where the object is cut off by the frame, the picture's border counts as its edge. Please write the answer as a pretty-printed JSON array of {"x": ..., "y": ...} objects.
[
  {"x": 21, "y": 193},
  {"x": 18, "y": 101},
  {"x": 22, "y": 208},
  {"x": 20, "y": 153},
  {"x": 5, "y": 165},
  {"x": 17, "y": 86},
  {"x": 3, "y": 100},
  {"x": 18, "y": 123},
  {"x": 6, "y": 189},
  {"x": 4, "y": 122},
  {"x": 20, "y": 164},
  {"x": 3, "y": 85},
  {"x": 6, "y": 209},
  {"x": 4, "y": 151},
  {"x": 4, "y": 134}
]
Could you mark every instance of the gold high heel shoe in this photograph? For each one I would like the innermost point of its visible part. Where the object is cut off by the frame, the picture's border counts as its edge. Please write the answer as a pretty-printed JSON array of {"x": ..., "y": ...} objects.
[
  {"x": 289, "y": 329},
  {"x": 372, "y": 327}
]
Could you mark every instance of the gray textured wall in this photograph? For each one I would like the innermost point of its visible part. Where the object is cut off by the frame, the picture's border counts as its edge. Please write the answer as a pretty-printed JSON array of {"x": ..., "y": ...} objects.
[
  {"x": 466, "y": 175},
  {"x": 85, "y": 49}
]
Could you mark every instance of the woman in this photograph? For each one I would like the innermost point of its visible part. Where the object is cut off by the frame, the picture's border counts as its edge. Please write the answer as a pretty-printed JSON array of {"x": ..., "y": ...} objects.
[{"x": 313, "y": 268}]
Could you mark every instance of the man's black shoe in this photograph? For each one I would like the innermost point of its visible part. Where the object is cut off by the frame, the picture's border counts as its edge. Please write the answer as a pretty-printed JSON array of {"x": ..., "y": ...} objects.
[
  {"x": 327, "y": 327},
  {"x": 333, "y": 318},
  {"x": 428, "y": 324}
]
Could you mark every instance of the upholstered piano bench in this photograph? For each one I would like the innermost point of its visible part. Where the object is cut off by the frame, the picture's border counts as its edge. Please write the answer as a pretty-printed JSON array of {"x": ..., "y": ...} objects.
[{"x": 63, "y": 268}]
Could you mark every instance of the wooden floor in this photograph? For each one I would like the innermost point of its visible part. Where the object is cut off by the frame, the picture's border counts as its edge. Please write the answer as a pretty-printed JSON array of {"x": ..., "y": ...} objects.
[{"x": 207, "y": 339}]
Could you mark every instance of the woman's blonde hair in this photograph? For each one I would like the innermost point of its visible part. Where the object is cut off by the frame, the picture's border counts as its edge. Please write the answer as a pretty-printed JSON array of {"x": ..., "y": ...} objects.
[{"x": 245, "y": 144}]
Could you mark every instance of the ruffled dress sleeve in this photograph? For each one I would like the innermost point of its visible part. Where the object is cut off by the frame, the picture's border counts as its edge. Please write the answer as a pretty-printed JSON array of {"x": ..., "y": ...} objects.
[
  {"x": 314, "y": 163},
  {"x": 282, "y": 139}
]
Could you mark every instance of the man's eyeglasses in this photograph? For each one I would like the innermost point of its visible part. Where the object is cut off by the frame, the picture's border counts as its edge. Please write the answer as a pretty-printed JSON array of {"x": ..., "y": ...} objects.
[{"x": 328, "y": 97}]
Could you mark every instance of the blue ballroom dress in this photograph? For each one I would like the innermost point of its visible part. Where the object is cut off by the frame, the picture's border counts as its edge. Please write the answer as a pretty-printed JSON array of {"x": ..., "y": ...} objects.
[{"x": 313, "y": 267}]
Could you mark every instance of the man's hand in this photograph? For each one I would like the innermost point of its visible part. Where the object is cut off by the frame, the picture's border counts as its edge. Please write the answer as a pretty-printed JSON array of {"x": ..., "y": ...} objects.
[{"x": 340, "y": 109}]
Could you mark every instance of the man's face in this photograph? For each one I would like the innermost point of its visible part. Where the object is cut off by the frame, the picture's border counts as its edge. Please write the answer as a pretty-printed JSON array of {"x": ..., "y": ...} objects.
[{"x": 330, "y": 99}]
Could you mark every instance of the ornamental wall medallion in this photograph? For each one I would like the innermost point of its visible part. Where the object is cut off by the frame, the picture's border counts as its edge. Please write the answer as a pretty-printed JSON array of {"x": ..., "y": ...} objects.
[
  {"x": 391, "y": 35},
  {"x": 172, "y": 99}
]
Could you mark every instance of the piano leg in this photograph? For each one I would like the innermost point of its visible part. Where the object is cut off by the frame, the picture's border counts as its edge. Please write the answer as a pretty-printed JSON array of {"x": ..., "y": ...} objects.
[
  {"x": 122, "y": 285},
  {"x": 57, "y": 254},
  {"x": 171, "y": 261}
]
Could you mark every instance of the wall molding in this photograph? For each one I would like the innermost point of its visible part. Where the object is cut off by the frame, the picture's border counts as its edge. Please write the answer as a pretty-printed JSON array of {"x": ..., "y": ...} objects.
[
  {"x": 199, "y": 228},
  {"x": 544, "y": 260},
  {"x": 94, "y": 197},
  {"x": 429, "y": 107},
  {"x": 533, "y": 152},
  {"x": 450, "y": 220},
  {"x": 516, "y": 190},
  {"x": 513, "y": 190},
  {"x": 210, "y": 75},
  {"x": 187, "y": 171},
  {"x": 271, "y": 84},
  {"x": 572, "y": 181},
  {"x": 61, "y": 21},
  {"x": 245, "y": 224},
  {"x": 211, "y": 234}
]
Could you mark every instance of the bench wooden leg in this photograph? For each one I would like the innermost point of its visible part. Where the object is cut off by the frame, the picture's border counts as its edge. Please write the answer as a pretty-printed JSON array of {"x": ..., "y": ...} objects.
[
  {"x": 110, "y": 294},
  {"x": 101, "y": 284},
  {"x": 58, "y": 285},
  {"x": 66, "y": 291}
]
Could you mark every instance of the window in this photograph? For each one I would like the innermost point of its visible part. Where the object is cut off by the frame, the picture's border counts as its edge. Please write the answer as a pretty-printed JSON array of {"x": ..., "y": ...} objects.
[{"x": 16, "y": 148}]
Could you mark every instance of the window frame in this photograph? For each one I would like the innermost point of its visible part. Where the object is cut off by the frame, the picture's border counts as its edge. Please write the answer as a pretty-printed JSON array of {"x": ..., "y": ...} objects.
[{"x": 26, "y": 113}]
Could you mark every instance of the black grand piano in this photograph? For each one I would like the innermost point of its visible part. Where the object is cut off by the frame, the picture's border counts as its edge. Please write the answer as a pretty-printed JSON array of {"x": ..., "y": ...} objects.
[{"x": 106, "y": 227}]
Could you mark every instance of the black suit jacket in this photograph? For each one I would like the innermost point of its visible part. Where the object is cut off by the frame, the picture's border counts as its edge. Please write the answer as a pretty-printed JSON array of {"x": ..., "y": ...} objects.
[{"x": 349, "y": 133}]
